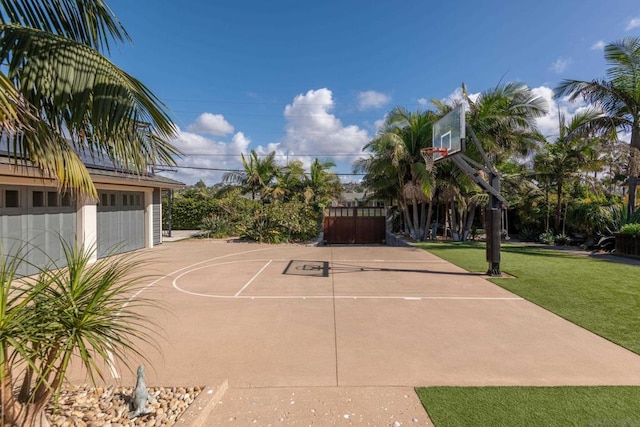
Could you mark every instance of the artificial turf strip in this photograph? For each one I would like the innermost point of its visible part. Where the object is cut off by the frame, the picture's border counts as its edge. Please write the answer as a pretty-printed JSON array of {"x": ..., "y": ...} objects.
[
  {"x": 599, "y": 295},
  {"x": 531, "y": 406}
]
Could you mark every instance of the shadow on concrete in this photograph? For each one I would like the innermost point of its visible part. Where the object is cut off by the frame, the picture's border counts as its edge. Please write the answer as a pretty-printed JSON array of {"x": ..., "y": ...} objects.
[{"x": 322, "y": 269}]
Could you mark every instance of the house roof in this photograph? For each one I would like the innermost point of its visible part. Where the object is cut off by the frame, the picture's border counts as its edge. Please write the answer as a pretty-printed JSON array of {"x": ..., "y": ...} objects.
[{"x": 99, "y": 173}]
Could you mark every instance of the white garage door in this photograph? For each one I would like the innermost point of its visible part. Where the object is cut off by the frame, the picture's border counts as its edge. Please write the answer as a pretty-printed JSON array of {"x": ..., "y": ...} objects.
[
  {"x": 38, "y": 217},
  {"x": 120, "y": 222}
]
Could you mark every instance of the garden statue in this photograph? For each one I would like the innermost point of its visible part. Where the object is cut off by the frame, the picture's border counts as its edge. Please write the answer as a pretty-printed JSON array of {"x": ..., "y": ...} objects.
[{"x": 140, "y": 397}]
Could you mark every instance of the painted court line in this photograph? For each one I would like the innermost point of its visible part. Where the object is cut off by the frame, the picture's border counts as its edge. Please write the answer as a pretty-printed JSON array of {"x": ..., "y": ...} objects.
[
  {"x": 254, "y": 277},
  {"x": 110, "y": 358},
  {"x": 340, "y": 297},
  {"x": 186, "y": 270}
]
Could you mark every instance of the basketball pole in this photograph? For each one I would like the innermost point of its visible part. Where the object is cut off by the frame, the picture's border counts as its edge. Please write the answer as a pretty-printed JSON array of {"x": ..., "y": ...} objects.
[{"x": 493, "y": 210}]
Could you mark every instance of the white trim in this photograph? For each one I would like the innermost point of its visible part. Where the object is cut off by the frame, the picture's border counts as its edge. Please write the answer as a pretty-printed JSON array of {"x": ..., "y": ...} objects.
[
  {"x": 87, "y": 227},
  {"x": 148, "y": 218}
]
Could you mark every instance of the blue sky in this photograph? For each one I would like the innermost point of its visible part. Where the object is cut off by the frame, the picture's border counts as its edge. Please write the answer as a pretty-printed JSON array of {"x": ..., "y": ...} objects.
[{"x": 315, "y": 79}]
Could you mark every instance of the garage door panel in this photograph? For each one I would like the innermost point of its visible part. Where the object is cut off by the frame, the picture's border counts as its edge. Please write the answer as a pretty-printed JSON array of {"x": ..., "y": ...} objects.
[
  {"x": 133, "y": 228},
  {"x": 37, "y": 225},
  {"x": 120, "y": 224}
]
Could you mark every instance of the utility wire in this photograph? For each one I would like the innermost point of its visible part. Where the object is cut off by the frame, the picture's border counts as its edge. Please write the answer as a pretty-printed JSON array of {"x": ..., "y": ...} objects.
[{"x": 172, "y": 169}]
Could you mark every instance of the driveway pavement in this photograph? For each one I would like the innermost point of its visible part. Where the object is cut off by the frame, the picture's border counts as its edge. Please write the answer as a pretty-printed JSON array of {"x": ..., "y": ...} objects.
[{"x": 332, "y": 335}]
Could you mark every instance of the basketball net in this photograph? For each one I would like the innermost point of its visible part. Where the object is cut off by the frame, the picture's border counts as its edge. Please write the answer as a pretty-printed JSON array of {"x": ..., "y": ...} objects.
[{"x": 427, "y": 155}]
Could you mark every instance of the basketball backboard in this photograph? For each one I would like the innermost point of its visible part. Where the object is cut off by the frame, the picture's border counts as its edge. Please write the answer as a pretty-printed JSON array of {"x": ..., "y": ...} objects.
[{"x": 449, "y": 133}]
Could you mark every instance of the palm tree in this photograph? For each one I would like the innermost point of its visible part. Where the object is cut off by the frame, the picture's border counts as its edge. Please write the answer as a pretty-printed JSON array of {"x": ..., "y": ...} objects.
[
  {"x": 321, "y": 185},
  {"x": 396, "y": 153},
  {"x": 59, "y": 96},
  {"x": 289, "y": 181},
  {"x": 570, "y": 154},
  {"x": 257, "y": 176},
  {"x": 380, "y": 177},
  {"x": 504, "y": 119},
  {"x": 618, "y": 97}
]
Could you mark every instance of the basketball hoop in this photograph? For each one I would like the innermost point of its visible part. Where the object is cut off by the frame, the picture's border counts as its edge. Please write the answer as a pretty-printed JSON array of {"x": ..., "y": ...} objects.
[{"x": 427, "y": 155}]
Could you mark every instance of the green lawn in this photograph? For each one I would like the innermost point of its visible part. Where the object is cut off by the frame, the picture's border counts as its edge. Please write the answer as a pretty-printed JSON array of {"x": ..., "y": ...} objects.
[
  {"x": 599, "y": 295},
  {"x": 531, "y": 406}
]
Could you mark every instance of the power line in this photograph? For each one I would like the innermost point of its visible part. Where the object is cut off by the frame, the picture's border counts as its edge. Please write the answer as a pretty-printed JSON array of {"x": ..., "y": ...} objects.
[
  {"x": 235, "y": 170},
  {"x": 278, "y": 154}
]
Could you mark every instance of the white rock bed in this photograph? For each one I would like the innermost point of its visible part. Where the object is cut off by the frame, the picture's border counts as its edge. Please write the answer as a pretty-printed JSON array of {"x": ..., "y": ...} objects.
[{"x": 86, "y": 406}]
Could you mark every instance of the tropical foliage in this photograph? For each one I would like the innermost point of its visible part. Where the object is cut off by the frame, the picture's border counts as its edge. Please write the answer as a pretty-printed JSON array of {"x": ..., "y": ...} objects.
[
  {"x": 281, "y": 203},
  {"x": 631, "y": 229},
  {"x": 503, "y": 118},
  {"x": 619, "y": 98},
  {"x": 60, "y": 97},
  {"x": 81, "y": 313},
  {"x": 564, "y": 188}
]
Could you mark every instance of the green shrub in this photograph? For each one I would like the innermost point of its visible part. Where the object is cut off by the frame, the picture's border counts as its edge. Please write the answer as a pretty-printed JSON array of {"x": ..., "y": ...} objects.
[
  {"x": 216, "y": 226},
  {"x": 188, "y": 213},
  {"x": 232, "y": 215},
  {"x": 529, "y": 235},
  {"x": 631, "y": 229},
  {"x": 547, "y": 238},
  {"x": 589, "y": 217},
  {"x": 281, "y": 222},
  {"x": 562, "y": 240}
]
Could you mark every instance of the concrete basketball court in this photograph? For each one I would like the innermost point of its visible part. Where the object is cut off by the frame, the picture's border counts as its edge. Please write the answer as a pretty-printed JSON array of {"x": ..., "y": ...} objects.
[{"x": 323, "y": 335}]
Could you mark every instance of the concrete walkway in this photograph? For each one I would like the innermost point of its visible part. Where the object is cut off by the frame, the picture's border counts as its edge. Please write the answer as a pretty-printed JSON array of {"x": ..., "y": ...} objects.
[
  {"x": 177, "y": 235},
  {"x": 341, "y": 335}
]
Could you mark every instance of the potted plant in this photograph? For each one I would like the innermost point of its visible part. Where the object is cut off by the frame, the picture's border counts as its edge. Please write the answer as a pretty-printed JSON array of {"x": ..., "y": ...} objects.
[{"x": 628, "y": 240}]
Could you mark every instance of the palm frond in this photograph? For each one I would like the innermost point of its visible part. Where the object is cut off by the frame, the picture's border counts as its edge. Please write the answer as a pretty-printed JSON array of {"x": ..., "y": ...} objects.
[
  {"x": 80, "y": 93},
  {"x": 15, "y": 113},
  {"x": 624, "y": 57},
  {"x": 90, "y": 22}
]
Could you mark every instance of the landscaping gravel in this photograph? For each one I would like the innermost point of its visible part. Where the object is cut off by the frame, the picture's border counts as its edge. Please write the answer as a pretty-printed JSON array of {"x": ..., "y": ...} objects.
[{"x": 86, "y": 406}]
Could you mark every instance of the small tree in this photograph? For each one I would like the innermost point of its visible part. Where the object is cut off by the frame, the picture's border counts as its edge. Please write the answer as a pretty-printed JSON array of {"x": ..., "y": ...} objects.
[{"x": 83, "y": 311}]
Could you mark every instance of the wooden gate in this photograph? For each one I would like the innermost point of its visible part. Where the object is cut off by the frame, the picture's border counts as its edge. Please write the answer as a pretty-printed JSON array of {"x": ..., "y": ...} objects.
[{"x": 354, "y": 225}]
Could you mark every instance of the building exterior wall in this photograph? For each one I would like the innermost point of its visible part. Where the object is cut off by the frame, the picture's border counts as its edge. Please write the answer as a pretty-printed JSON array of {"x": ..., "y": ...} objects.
[
  {"x": 34, "y": 213},
  {"x": 34, "y": 222}
]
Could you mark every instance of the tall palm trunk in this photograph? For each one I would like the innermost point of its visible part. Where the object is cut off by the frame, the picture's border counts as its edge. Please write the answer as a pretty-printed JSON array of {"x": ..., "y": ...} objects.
[
  {"x": 547, "y": 200},
  {"x": 407, "y": 217},
  {"x": 416, "y": 220},
  {"x": 423, "y": 221},
  {"x": 428, "y": 219},
  {"x": 559, "y": 205},
  {"x": 469, "y": 223},
  {"x": 634, "y": 164},
  {"x": 453, "y": 219}
]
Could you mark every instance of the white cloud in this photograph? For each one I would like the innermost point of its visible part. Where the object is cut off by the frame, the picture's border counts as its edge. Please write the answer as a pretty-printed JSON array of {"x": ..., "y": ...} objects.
[
  {"x": 212, "y": 124},
  {"x": 560, "y": 65},
  {"x": 599, "y": 45},
  {"x": 379, "y": 124},
  {"x": 371, "y": 99},
  {"x": 456, "y": 97},
  {"x": 548, "y": 124},
  {"x": 312, "y": 128},
  {"x": 203, "y": 154},
  {"x": 423, "y": 102},
  {"x": 633, "y": 23}
]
